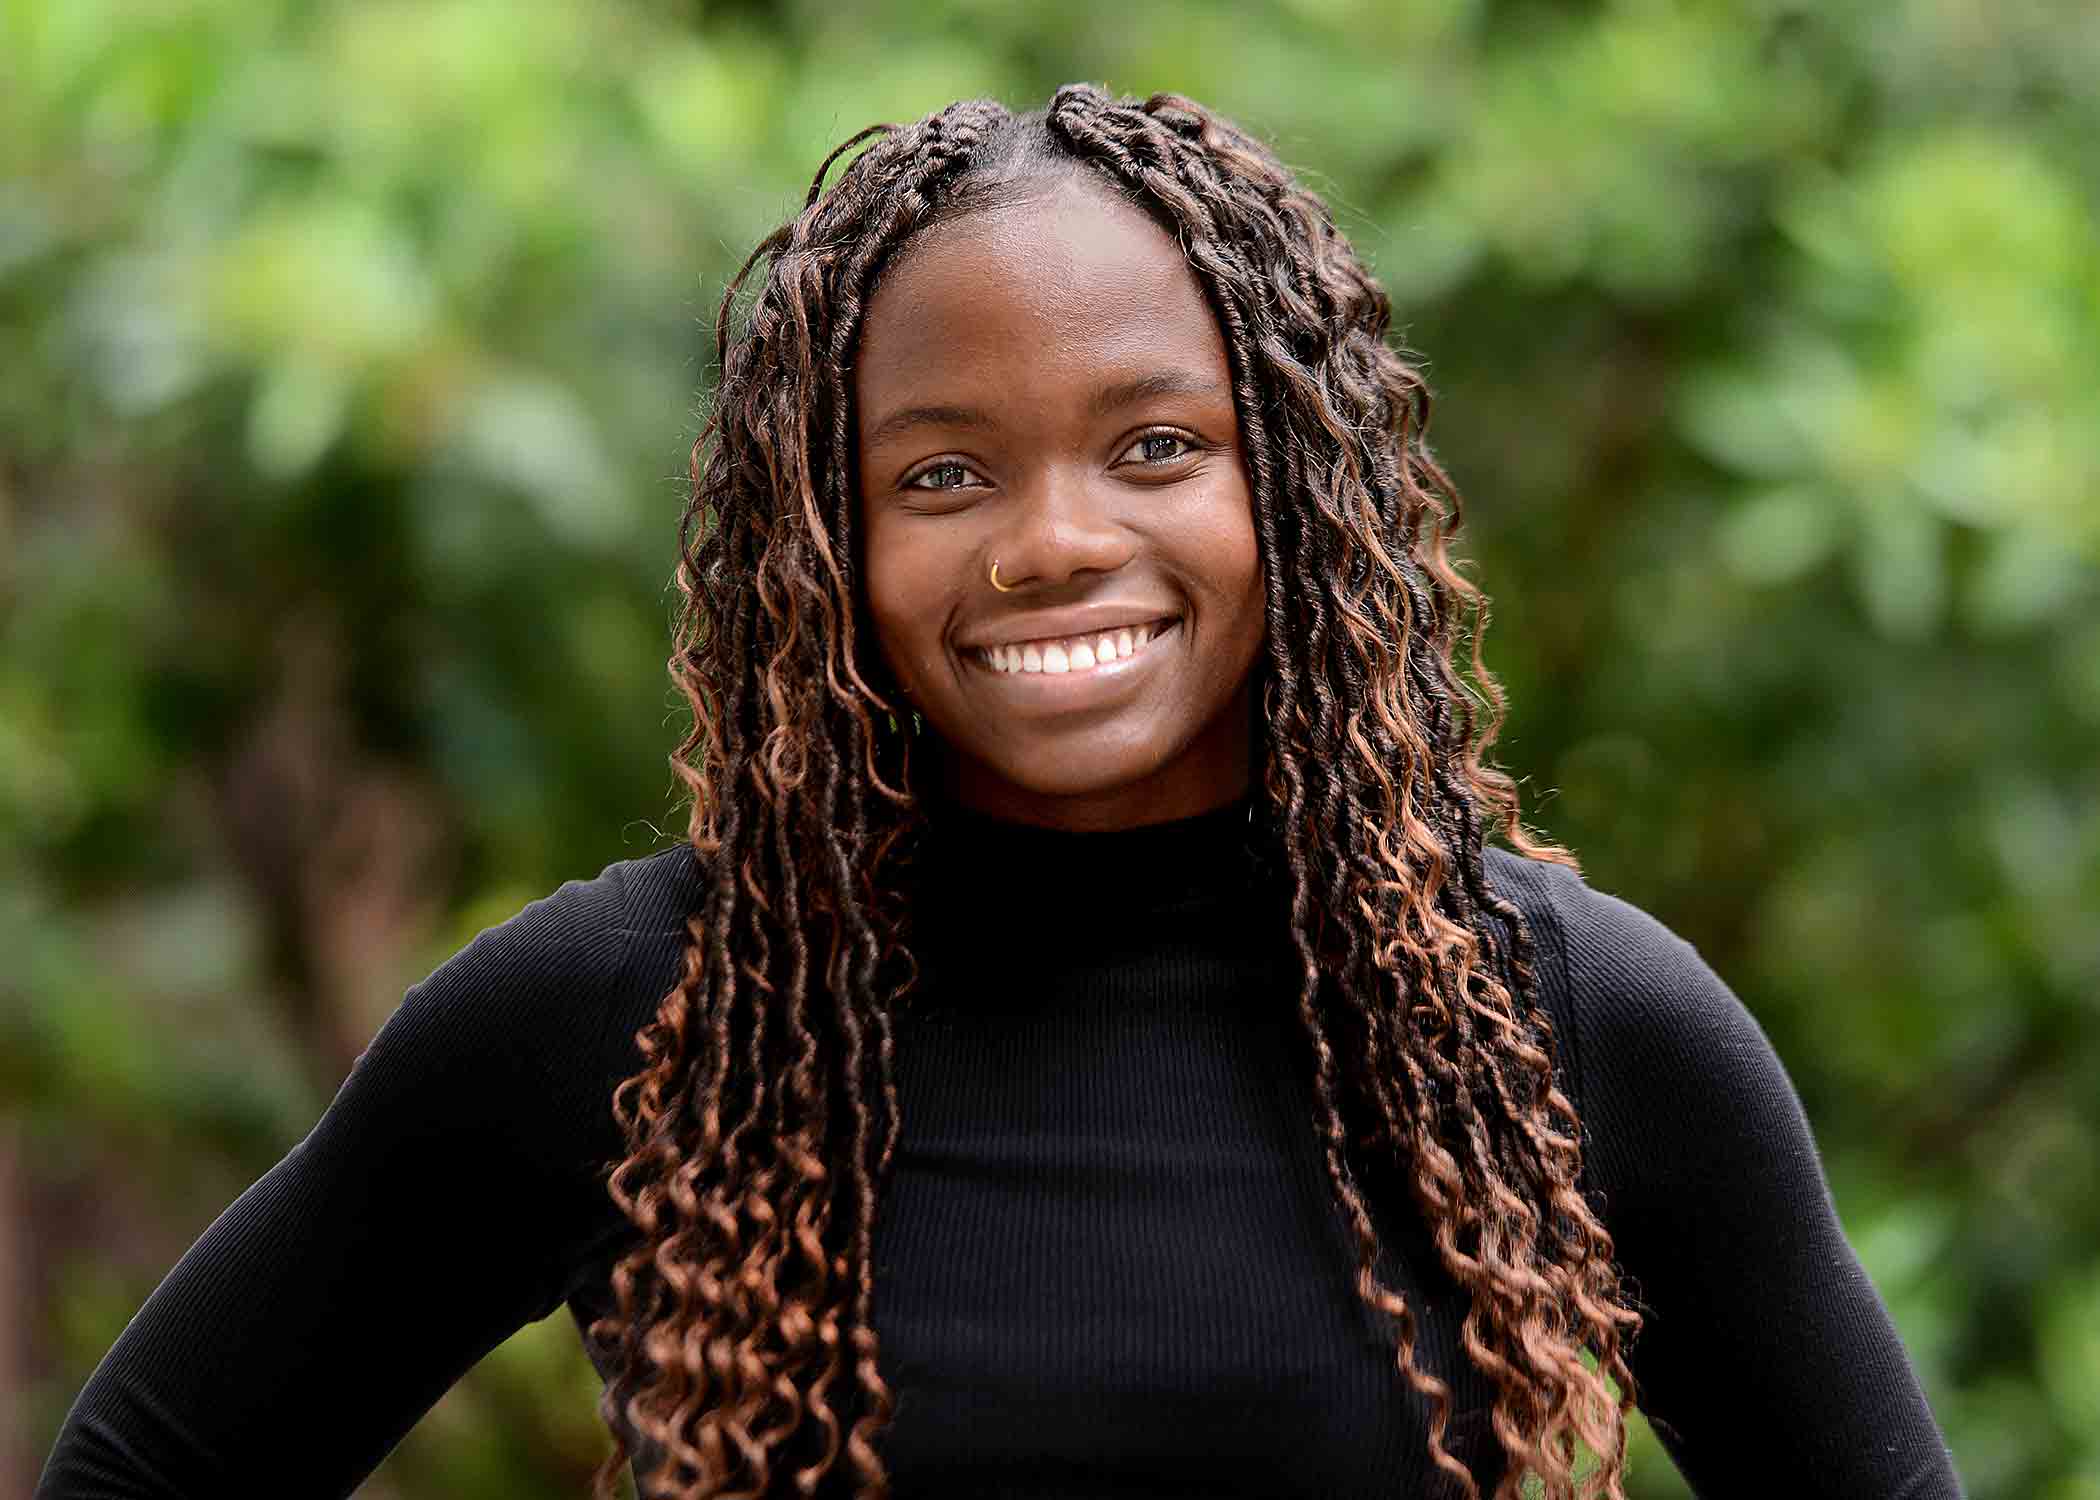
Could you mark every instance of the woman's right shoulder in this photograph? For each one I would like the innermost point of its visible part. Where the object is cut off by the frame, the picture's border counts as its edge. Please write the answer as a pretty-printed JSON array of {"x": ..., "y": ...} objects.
[
  {"x": 575, "y": 930},
  {"x": 585, "y": 953},
  {"x": 549, "y": 999},
  {"x": 579, "y": 936}
]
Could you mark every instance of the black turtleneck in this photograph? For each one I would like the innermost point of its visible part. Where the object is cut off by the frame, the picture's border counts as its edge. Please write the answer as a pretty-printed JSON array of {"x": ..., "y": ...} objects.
[{"x": 1108, "y": 1262}]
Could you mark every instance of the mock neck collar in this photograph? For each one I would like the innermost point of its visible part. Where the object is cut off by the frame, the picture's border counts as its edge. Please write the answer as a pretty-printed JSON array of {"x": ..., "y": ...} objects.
[{"x": 981, "y": 866}]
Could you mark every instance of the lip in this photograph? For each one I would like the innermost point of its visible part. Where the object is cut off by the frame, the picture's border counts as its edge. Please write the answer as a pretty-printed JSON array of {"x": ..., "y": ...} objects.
[
  {"x": 1062, "y": 690},
  {"x": 1056, "y": 624}
]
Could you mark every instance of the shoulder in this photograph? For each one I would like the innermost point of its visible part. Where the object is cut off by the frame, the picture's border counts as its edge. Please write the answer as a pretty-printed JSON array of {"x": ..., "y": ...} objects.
[
  {"x": 568, "y": 942},
  {"x": 583, "y": 931},
  {"x": 575, "y": 931},
  {"x": 581, "y": 967},
  {"x": 1608, "y": 964},
  {"x": 552, "y": 991},
  {"x": 1664, "y": 1049}
]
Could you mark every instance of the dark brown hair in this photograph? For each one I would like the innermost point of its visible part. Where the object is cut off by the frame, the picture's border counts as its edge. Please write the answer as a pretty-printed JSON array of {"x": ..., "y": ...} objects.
[{"x": 761, "y": 1128}]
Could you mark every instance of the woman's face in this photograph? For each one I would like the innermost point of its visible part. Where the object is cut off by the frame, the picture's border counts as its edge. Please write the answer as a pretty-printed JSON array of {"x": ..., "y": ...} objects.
[{"x": 1042, "y": 384}]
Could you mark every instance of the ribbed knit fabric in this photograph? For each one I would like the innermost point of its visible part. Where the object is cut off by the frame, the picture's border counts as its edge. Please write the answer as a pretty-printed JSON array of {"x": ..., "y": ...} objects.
[{"x": 1108, "y": 1262}]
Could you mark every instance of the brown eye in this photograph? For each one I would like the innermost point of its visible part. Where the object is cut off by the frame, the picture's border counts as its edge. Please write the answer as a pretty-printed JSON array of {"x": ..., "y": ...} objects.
[
  {"x": 941, "y": 476},
  {"x": 1159, "y": 448}
]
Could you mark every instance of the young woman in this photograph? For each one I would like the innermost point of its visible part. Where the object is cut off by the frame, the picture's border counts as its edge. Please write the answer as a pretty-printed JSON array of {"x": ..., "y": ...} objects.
[{"x": 1086, "y": 1046}]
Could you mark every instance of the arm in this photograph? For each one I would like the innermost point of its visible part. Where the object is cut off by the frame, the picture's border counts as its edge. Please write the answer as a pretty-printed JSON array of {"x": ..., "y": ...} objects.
[
  {"x": 417, "y": 1226},
  {"x": 1767, "y": 1362}
]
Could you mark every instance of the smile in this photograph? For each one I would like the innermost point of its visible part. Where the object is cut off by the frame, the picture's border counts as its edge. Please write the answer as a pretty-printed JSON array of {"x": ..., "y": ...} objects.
[{"x": 1066, "y": 655}]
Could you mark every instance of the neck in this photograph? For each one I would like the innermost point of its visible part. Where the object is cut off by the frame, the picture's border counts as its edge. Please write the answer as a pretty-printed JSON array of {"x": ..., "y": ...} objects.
[{"x": 1043, "y": 883}]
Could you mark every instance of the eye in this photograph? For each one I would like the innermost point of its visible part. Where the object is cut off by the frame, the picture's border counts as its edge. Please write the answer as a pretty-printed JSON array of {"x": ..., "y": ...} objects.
[
  {"x": 1160, "y": 448},
  {"x": 945, "y": 475}
]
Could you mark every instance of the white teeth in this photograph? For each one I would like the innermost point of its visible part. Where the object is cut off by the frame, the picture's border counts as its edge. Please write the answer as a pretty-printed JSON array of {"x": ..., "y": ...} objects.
[{"x": 1076, "y": 654}]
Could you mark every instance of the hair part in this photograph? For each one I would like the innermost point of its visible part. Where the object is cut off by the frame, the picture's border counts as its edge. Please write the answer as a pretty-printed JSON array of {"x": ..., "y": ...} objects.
[{"x": 761, "y": 1125}]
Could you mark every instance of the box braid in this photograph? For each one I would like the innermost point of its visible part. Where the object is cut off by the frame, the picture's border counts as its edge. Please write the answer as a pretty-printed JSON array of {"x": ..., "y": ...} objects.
[{"x": 764, "y": 1118}]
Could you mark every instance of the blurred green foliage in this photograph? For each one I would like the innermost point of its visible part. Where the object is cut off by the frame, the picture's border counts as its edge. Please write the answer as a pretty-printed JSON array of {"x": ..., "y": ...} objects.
[{"x": 349, "y": 355}]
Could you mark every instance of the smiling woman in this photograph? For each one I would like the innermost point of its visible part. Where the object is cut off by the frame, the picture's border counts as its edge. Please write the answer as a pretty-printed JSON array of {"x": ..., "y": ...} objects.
[
  {"x": 1086, "y": 1045},
  {"x": 1043, "y": 386}
]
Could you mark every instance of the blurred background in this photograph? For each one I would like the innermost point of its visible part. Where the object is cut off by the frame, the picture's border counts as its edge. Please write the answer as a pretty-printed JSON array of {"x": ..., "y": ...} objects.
[{"x": 349, "y": 356}]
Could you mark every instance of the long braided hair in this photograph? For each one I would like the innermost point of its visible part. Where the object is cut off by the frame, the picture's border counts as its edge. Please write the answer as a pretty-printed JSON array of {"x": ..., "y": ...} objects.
[{"x": 761, "y": 1127}]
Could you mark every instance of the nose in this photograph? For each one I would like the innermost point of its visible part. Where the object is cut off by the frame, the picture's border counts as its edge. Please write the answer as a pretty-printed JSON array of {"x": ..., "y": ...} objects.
[{"x": 1059, "y": 528}]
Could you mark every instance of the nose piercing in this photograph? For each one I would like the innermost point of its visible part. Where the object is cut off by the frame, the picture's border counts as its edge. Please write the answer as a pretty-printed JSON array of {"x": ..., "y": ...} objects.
[{"x": 1004, "y": 588}]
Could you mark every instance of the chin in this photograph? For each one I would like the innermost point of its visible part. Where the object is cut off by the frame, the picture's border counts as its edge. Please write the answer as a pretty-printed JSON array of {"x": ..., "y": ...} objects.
[{"x": 1074, "y": 771}]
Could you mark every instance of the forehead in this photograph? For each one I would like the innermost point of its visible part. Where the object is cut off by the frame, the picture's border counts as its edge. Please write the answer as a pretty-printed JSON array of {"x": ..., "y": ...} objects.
[{"x": 1069, "y": 275}]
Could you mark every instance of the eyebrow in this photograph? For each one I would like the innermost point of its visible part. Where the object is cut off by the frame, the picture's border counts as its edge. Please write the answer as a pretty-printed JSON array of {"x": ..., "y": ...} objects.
[
  {"x": 1109, "y": 398},
  {"x": 1124, "y": 393}
]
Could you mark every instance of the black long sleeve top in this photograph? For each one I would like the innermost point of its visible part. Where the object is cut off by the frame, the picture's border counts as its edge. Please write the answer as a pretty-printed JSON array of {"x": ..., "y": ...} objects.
[{"x": 1108, "y": 1261}]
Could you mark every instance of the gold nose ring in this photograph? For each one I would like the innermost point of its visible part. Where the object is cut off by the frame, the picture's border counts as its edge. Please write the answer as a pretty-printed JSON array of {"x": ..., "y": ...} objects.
[{"x": 1004, "y": 588}]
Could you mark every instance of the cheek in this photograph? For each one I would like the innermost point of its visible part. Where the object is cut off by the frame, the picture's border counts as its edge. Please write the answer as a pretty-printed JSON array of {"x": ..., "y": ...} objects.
[
  {"x": 1233, "y": 560},
  {"x": 1248, "y": 556},
  {"x": 1238, "y": 571},
  {"x": 903, "y": 583},
  {"x": 885, "y": 586}
]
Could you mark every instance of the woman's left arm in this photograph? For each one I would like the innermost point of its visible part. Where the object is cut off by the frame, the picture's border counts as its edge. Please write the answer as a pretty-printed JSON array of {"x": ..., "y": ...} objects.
[{"x": 1767, "y": 1363}]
